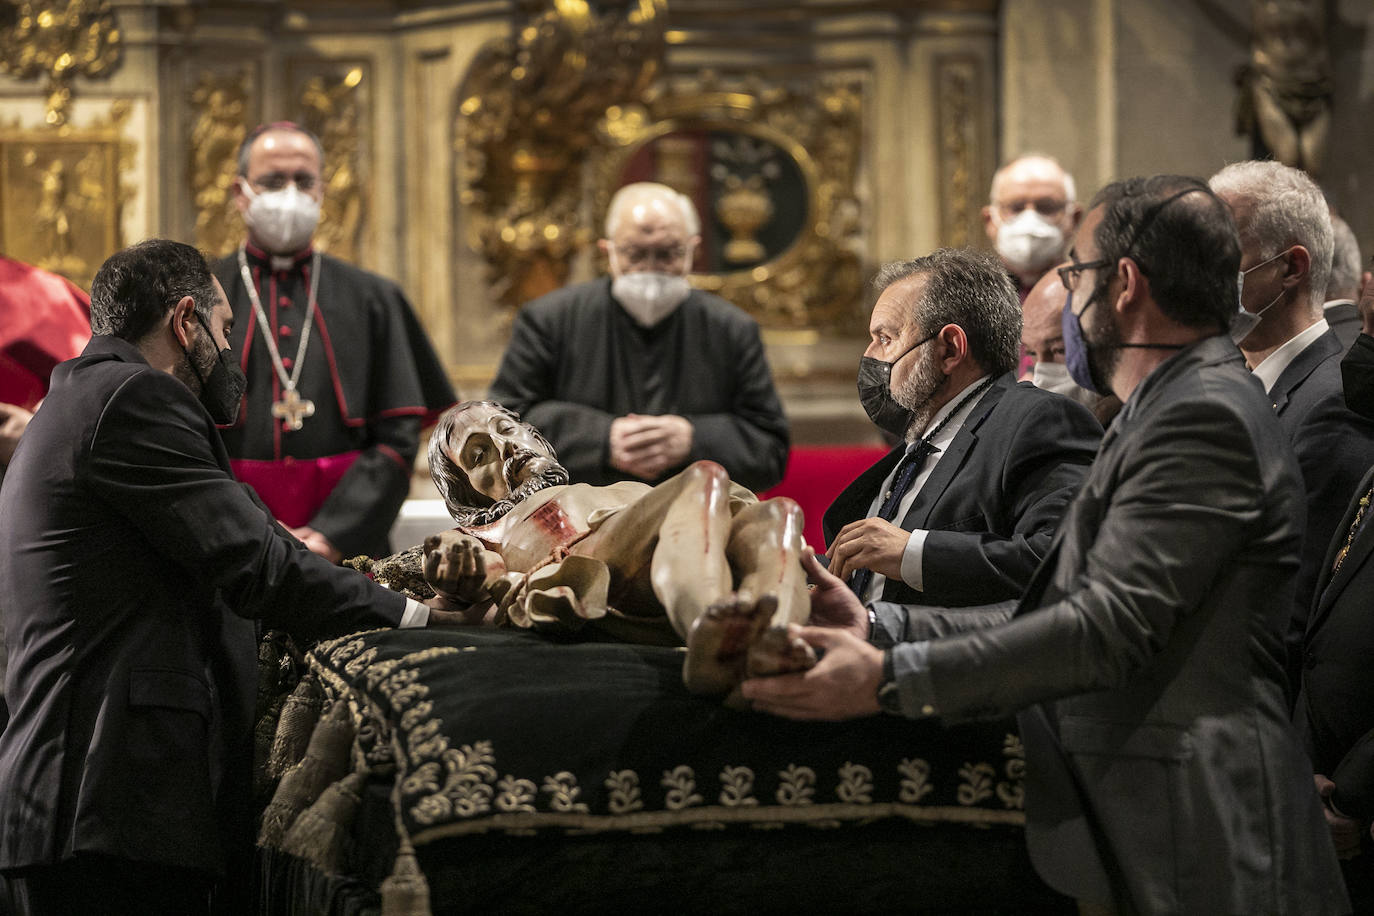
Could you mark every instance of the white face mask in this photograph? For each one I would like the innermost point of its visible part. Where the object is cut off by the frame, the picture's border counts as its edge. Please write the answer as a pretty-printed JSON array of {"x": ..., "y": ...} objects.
[
  {"x": 1055, "y": 377},
  {"x": 1244, "y": 322},
  {"x": 1029, "y": 242},
  {"x": 650, "y": 297},
  {"x": 282, "y": 220}
]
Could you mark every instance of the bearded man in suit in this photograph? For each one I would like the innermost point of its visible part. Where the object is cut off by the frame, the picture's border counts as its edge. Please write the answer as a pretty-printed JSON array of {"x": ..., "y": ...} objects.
[{"x": 1146, "y": 656}]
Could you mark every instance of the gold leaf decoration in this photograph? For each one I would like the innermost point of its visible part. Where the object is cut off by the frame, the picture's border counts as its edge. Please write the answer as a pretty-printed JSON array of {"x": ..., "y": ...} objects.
[
  {"x": 563, "y": 790},
  {"x": 60, "y": 41},
  {"x": 623, "y": 786},
  {"x": 915, "y": 780},
  {"x": 856, "y": 784},
  {"x": 977, "y": 783},
  {"x": 797, "y": 785},
  {"x": 681, "y": 783},
  {"x": 737, "y": 787}
]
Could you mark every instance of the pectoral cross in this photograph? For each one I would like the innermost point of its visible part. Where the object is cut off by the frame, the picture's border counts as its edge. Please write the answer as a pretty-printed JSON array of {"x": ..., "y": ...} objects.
[{"x": 292, "y": 409}]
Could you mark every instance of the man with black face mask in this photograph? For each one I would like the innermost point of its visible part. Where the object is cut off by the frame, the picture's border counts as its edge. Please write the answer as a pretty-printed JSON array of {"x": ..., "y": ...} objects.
[
  {"x": 132, "y": 566},
  {"x": 961, "y": 511}
]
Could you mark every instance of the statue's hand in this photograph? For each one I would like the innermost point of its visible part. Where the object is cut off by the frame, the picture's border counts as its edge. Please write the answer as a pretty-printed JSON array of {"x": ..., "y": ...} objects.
[{"x": 455, "y": 566}]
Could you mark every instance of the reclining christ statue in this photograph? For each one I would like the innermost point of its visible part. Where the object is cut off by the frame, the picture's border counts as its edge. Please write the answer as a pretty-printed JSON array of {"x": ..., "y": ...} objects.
[{"x": 695, "y": 560}]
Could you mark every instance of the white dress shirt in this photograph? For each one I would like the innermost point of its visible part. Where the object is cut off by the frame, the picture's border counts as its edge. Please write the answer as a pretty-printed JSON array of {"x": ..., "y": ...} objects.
[
  {"x": 1272, "y": 366},
  {"x": 912, "y": 556}
]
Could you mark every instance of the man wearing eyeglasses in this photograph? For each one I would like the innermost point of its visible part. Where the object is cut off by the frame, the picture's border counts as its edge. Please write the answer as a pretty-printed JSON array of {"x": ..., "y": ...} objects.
[
  {"x": 1145, "y": 658},
  {"x": 1030, "y": 215},
  {"x": 637, "y": 375},
  {"x": 341, "y": 376}
]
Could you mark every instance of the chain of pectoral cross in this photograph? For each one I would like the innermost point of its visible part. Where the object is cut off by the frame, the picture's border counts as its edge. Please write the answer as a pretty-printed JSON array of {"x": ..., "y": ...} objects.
[{"x": 292, "y": 409}]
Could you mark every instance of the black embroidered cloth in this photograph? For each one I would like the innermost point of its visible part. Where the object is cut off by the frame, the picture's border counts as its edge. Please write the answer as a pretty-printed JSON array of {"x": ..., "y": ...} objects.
[{"x": 503, "y": 731}]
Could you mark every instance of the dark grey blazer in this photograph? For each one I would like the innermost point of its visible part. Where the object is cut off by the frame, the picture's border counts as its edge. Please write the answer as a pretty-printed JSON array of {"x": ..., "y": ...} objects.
[
  {"x": 1334, "y": 446},
  {"x": 994, "y": 499},
  {"x": 131, "y": 686},
  {"x": 1161, "y": 768}
]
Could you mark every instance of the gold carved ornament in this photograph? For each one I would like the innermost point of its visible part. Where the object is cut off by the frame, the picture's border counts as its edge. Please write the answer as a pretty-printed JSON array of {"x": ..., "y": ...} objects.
[
  {"x": 60, "y": 41},
  {"x": 219, "y": 103},
  {"x": 527, "y": 112},
  {"x": 816, "y": 281},
  {"x": 332, "y": 106},
  {"x": 61, "y": 193}
]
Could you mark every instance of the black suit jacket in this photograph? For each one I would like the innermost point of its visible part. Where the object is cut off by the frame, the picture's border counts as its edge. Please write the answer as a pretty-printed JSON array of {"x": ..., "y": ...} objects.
[
  {"x": 125, "y": 545},
  {"x": 1161, "y": 769},
  {"x": 1334, "y": 446},
  {"x": 994, "y": 499},
  {"x": 1335, "y": 709}
]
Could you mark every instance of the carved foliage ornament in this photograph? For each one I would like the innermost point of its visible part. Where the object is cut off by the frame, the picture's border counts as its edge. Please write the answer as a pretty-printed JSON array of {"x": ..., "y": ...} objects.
[
  {"x": 60, "y": 40},
  {"x": 61, "y": 194},
  {"x": 219, "y": 102},
  {"x": 758, "y": 136},
  {"x": 334, "y": 104},
  {"x": 526, "y": 115}
]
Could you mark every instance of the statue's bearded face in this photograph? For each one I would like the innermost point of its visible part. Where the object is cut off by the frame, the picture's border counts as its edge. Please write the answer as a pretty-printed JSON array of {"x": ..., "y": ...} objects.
[
  {"x": 488, "y": 461},
  {"x": 497, "y": 453}
]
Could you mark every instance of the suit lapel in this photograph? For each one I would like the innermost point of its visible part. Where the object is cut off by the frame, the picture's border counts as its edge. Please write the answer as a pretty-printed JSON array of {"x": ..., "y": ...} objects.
[
  {"x": 853, "y": 502},
  {"x": 1303, "y": 365},
  {"x": 952, "y": 460}
]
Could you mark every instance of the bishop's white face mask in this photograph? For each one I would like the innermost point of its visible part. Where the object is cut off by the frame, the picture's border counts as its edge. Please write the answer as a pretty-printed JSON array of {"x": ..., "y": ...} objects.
[
  {"x": 1029, "y": 242},
  {"x": 282, "y": 220},
  {"x": 1055, "y": 377}
]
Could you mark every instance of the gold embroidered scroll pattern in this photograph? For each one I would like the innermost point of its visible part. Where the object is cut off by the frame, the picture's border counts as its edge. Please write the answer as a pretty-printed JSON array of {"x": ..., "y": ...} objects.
[
  {"x": 515, "y": 795},
  {"x": 623, "y": 786},
  {"x": 915, "y": 780},
  {"x": 563, "y": 790},
  {"x": 737, "y": 787},
  {"x": 681, "y": 783},
  {"x": 977, "y": 782},
  {"x": 856, "y": 784},
  {"x": 797, "y": 785},
  {"x": 1012, "y": 792}
]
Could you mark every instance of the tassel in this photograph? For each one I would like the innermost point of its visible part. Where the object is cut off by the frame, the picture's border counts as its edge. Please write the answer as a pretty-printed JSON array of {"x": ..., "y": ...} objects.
[
  {"x": 326, "y": 761},
  {"x": 323, "y": 834},
  {"x": 299, "y": 715},
  {"x": 405, "y": 892}
]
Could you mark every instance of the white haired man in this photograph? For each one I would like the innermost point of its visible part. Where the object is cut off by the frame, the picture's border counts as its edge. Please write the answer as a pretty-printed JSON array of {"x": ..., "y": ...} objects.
[
  {"x": 1031, "y": 214},
  {"x": 637, "y": 375},
  {"x": 1286, "y": 243}
]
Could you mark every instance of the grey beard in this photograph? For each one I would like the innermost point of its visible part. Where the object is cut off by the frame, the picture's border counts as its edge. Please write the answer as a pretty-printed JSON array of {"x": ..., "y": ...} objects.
[{"x": 553, "y": 475}]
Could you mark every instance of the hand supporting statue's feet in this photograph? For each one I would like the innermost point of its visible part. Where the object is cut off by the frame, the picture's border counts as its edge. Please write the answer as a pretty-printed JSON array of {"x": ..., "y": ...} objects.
[{"x": 775, "y": 652}]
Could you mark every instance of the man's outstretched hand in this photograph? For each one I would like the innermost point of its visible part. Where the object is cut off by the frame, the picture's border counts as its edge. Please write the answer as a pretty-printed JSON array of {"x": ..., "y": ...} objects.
[{"x": 833, "y": 604}]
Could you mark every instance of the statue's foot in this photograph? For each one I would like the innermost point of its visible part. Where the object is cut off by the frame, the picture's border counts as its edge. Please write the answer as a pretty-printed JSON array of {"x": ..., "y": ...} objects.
[
  {"x": 774, "y": 652},
  {"x": 718, "y": 645}
]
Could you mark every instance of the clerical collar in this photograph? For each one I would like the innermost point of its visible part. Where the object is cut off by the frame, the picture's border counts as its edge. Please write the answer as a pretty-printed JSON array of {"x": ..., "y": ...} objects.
[{"x": 279, "y": 261}]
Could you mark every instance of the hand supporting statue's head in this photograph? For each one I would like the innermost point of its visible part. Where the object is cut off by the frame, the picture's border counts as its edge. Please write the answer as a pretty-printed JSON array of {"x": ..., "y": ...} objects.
[{"x": 485, "y": 460}]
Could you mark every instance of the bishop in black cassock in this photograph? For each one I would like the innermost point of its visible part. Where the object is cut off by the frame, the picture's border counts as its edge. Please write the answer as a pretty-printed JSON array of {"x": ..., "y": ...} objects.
[{"x": 374, "y": 381}]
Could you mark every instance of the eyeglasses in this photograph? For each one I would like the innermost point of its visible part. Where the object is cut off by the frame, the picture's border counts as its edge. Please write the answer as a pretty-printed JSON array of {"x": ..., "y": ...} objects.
[
  {"x": 637, "y": 256},
  {"x": 276, "y": 181},
  {"x": 1048, "y": 207},
  {"x": 1068, "y": 274}
]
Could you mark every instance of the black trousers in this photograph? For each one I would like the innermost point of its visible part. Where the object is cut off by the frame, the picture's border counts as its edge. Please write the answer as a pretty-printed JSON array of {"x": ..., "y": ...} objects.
[{"x": 91, "y": 883}]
